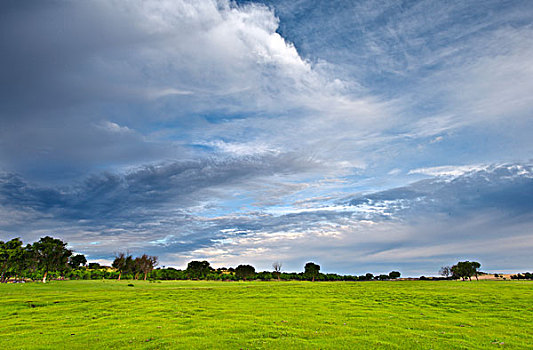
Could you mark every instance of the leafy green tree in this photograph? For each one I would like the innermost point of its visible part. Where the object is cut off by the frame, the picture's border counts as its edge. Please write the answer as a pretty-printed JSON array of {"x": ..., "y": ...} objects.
[
  {"x": 77, "y": 260},
  {"x": 94, "y": 266},
  {"x": 465, "y": 269},
  {"x": 198, "y": 269},
  {"x": 311, "y": 270},
  {"x": 244, "y": 271},
  {"x": 264, "y": 276},
  {"x": 394, "y": 275},
  {"x": 52, "y": 255},
  {"x": 11, "y": 258},
  {"x": 4, "y": 261},
  {"x": 31, "y": 261}
]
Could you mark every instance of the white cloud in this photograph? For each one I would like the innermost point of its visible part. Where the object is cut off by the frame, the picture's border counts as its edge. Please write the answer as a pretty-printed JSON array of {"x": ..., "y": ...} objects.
[
  {"x": 158, "y": 93},
  {"x": 243, "y": 149},
  {"x": 114, "y": 127},
  {"x": 449, "y": 170}
]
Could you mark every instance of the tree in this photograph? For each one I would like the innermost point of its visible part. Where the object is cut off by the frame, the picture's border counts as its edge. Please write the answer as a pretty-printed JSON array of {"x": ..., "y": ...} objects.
[
  {"x": 136, "y": 267},
  {"x": 465, "y": 269},
  {"x": 475, "y": 267},
  {"x": 51, "y": 254},
  {"x": 311, "y": 270},
  {"x": 76, "y": 260},
  {"x": 31, "y": 261},
  {"x": 11, "y": 257},
  {"x": 146, "y": 264},
  {"x": 121, "y": 263},
  {"x": 394, "y": 275},
  {"x": 94, "y": 266},
  {"x": 244, "y": 271},
  {"x": 277, "y": 268},
  {"x": 198, "y": 269},
  {"x": 445, "y": 271}
]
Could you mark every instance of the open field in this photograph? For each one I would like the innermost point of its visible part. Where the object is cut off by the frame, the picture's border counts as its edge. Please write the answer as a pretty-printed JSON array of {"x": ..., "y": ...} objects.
[{"x": 266, "y": 315}]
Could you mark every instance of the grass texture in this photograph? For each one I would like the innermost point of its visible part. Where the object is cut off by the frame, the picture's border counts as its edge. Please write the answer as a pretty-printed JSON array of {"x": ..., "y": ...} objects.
[{"x": 266, "y": 315}]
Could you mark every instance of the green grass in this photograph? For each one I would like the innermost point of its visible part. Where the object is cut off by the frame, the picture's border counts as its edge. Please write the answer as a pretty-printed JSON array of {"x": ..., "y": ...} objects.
[{"x": 266, "y": 315}]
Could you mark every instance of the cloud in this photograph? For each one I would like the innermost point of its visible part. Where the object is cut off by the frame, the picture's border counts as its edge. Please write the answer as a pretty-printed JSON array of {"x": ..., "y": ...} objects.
[
  {"x": 370, "y": 87},
  {"x": 480, "y": 214},
  {"x": 448, "y": 170},
  {"x": 175, "y": 72},
  {"x": 170, "y": 211}
]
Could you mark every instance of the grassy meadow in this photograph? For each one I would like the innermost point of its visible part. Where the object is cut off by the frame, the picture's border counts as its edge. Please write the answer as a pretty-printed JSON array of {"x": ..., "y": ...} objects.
[{"x": 266, "y": 315}]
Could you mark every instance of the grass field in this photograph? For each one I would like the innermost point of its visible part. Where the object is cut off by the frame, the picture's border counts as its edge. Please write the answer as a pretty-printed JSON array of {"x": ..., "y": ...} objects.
[{"x": 266, "y": 315}]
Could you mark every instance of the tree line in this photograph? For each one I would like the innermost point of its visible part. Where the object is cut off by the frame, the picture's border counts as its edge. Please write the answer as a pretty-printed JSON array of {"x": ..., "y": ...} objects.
[{"x": 50, "y": 258}]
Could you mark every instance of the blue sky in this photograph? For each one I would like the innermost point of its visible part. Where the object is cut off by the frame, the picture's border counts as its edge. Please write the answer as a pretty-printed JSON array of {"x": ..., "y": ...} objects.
[{"x": 365, "y": 136}]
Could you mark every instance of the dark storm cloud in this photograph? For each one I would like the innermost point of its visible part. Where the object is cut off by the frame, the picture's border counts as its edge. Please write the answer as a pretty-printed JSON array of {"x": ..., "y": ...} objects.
[{"x": 177, "y": 185}]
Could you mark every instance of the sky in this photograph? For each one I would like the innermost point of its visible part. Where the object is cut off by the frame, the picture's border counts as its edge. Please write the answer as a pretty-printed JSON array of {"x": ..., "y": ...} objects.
[{"x": 365, "y": 136}]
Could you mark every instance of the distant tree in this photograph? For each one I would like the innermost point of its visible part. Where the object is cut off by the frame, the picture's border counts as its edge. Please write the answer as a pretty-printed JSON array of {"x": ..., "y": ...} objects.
[
  {"x": 264, "y": 276},
  {"x": 382, "y": 277},
  {"x": 76, "y": 260},
  {"x": 311, "y": 270},
  {"x": 52, "y": 255},
  {"x": 198, "y": 269},
  {"x": 121, "y": 263},
  {"x": 445, "y": 271},
  {"x": 465, "y": 269},
  {"x": 369, "y": 276},
  {"x": 244, "y": 271},
  {"x": 146, "y": 264},
  {"x": 277, "y": 268},
  {"x": 394, "y": 275},
  {"x": 94, "y": 266}
]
